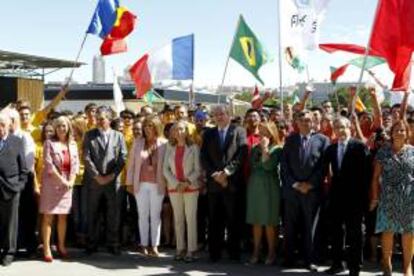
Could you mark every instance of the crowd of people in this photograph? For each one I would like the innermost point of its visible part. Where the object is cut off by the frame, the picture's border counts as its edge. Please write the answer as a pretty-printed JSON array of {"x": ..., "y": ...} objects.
[{"x": 322, "y": 184}]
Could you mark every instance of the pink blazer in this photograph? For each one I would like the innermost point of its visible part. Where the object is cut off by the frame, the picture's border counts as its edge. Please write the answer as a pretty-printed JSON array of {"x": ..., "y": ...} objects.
[
  {"x": 53, "y": 160},
  {"x": 135, "y": 162}
]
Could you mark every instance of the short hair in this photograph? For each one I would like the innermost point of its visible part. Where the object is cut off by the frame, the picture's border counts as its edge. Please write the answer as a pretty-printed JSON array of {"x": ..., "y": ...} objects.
[
  {"x": 342, "y": 119},
  {"x": 5, "y": 118},
  {"x": 303, "y": 113},
  {"x": 127, "y": 112},
  {"x": 105, "y": 110},
  {"x": 317, "y": 108},
  {"x": 252, "y": 110},
  {"x": 65, "y": 120},
  {"x": 23, "y": 107},
  {"x": 220, "y": 107},
  {"x": 89, "y": 106},
  {"x": 116, "y": 124}
]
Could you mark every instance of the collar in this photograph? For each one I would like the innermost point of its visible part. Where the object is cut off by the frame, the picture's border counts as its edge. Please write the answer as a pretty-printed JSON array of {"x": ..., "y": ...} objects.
[
  {"x": 225, "y": 129},
  {"x": 104, "y": 132},
  {"x": 4, "y": 138},
  {"x": 345, "y": 143},
  {"x": 307, "y": 136}
]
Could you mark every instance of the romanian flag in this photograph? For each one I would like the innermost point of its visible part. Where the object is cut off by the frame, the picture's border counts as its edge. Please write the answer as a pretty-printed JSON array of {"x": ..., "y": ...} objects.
[{"x": 112, "y": 23}]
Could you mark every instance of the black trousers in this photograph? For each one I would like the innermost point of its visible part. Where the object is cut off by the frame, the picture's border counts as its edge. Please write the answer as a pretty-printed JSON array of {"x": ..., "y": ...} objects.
[
  {"x": 223, "y": 214},
  {"x": 110, "y": 196},
  {"x": 9, "y": 219},
  {"x": 346, "y": 227},
  {"x": 300, "y": 218},
  {"x": 28, "y": 214}
]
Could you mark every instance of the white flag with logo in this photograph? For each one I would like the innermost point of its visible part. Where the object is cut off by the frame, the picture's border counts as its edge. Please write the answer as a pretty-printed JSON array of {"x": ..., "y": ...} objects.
[{"x": 300, "y": 23}]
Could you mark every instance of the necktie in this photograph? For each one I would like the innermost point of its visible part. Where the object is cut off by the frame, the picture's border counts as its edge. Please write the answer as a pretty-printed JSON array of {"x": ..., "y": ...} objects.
[
  {"x": 303, "y": 151},
  {"x": 341, "y": 150},
  {"x": 1, "y": 144},
  {"x": 222, "y": 138}
]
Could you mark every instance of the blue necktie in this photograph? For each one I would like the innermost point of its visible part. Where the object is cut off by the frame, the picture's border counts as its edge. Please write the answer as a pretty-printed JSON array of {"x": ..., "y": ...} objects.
[
  {"x": 341, "y": 150},
  {"x": 222, "y": 138},
  {"x": 303, "y": 150},
  {"x": 1, "y": 144}
]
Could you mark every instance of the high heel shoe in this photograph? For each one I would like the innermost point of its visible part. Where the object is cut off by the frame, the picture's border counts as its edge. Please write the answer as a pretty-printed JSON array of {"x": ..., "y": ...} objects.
[
  {"x": 63, "y": 254},
  {"x": 48, "y": 259}
]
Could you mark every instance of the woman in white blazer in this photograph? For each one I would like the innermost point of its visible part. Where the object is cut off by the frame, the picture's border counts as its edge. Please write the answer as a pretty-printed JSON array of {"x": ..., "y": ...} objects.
[
  {"x": 144, "y": 174},
  {"x": 182, "y": 170}
]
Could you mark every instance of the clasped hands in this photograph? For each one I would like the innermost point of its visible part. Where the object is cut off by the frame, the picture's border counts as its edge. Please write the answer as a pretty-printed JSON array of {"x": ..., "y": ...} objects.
[
  {"x": 103, "y": 180},
  {"x": 182, "y": 185},
  {"x": 221, "y": 178},
  {"x": 302, "y": 187}
]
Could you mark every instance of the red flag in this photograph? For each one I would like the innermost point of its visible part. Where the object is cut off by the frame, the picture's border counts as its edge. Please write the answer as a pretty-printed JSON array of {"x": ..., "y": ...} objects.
[
  {"x": 255, "y": 102},
  {"x": 351, "y": 48},
  {"x": 124, "y": 24},
  {"x": 337, "y": 72},
  {"x": 141, "y": 76},
  {"x": 113, "y": 46},
  {"x": 393, "y": 38}
]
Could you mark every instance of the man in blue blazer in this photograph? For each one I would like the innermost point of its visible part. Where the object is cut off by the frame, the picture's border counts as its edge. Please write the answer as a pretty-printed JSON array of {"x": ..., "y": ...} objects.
[{"x": 302, "y": 177}]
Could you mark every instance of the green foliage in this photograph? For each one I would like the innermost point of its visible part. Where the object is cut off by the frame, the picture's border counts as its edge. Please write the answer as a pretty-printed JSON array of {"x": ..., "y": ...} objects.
[{"x": 344, "y": 97}]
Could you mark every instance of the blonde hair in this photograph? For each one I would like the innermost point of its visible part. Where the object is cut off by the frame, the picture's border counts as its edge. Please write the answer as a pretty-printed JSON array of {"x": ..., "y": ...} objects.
[
  {"x": 155, "y": 122},
  {"x": 273, "y": 131},
  {"x": 65, "y": 120},
  {"x": 188, "y": 139},
  {"x": 80, "y": 125}
]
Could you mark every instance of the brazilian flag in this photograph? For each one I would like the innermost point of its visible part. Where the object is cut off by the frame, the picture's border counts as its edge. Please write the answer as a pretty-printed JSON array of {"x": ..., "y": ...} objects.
[{"x": 247, "y": 49}]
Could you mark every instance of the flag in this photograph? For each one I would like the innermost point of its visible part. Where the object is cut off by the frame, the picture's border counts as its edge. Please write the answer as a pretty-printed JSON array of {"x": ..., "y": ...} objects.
[
  {"x": 337, "y": 72},
  {"x": 293, "y": 60},
  {"x": 118, "y": 97},
  {"x": 344, "y": 47},
  {"x": 300, "y": 23},
  {"x": 255, "y": 102},
  {"x": 174, "y": 61},
  {"x": 247, "y": 49},
  {"x": 393, "y": 38},
  {"x": 370, "y": 63},
  {"x": 112, "y": 23}
]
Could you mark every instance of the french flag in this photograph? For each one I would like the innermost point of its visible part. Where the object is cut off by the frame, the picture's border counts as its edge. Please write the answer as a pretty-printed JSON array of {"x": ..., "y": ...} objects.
[{"x": 174, "y": 61}]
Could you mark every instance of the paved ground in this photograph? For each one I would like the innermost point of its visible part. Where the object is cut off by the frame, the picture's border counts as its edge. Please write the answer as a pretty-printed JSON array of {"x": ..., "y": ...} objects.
[{"x": 135, "y": 264}]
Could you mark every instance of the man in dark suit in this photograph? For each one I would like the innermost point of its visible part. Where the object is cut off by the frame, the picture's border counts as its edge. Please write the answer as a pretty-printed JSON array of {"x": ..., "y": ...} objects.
[
  {"x": 222, "y": 153},
  {"x": 104, "y": 154},
  {"x": 348, "y": 167},
  {"x": 302, "y": 176},
  {"x": 13, "y": 176}
]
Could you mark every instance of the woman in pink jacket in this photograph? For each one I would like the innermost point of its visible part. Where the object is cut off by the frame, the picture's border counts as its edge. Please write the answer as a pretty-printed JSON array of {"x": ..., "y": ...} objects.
[
  {"x": 61, "y": 164},
  {"x": 145, "y": 175}
]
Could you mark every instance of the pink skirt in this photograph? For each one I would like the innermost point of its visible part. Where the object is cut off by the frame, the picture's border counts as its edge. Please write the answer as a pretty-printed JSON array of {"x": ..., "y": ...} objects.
[{"x": 55, "y": 197}]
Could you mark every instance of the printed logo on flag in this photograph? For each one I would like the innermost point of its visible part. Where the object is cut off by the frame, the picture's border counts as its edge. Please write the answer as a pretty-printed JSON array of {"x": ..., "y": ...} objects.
[
  {"x": 302, "y": 4},
  {"x": 247, "y": 45}
]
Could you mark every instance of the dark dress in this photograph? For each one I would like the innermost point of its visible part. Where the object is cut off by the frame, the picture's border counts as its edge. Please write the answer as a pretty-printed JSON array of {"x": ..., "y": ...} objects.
[
  {"x": 263, "y": 189},
  {"x": 396, "y": 202}
]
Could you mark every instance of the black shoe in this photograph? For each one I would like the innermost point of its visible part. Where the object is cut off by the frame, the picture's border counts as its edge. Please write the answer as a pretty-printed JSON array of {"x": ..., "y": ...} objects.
[
  {"x": 353, "y": 272},
  {"x": 335, "y": 269},
  {"x": 114, "y": 250},
  {"x": 288, "y": 264},
  {"x": 312, "y": 267},
  {"x": 90, "y": 250},
  {"x": 7, "y": 260},
  {"x": 214, "y": 259}
]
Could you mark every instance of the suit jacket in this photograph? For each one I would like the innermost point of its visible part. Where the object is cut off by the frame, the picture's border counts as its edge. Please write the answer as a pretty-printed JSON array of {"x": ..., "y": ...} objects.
[
  {"x": 191, "y": 166},
  {"x": 230, "y": 158},
  {"x": 312, "y": 168},
  {"x": 349, "y": 183},
  {"x": 135, "y": 162},
  {"x": 13, "y": 170},
  {"x": 101, "y": 159},
  {"x": 53, "y": 161}
]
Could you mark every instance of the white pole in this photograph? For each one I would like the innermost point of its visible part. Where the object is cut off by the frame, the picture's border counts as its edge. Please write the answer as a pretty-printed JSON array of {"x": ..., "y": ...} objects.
[
  {"x": 280, "y": 58},
  {"x": 364, "y": 63}
]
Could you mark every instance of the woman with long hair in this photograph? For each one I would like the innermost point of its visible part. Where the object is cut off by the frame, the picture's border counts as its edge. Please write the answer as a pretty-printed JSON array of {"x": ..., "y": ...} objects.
[
  {"x": 263, "y": 191},
  {"x": 145, "y": 175},
  {"x": 61, "y": 164}
]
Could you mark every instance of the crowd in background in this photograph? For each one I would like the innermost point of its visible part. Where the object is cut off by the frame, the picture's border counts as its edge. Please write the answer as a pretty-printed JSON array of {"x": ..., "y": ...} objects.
[{"x": 317, "y": 183}]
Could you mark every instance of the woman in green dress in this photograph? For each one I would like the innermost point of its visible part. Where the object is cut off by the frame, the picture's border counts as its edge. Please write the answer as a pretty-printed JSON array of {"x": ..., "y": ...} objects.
[{"x": 263, "y": 190}]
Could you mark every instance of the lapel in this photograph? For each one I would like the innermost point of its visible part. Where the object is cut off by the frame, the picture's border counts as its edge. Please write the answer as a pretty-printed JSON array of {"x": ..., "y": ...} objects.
[
  {"x": 57, "y": 154},
  {"x": 187, "y": 151},
  {"x": 100, "y": 139},
  {"x": 5, "y": 145}
]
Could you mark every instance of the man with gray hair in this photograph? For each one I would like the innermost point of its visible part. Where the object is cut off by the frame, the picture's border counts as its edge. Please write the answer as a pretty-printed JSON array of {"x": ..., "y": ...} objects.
[
  {"x": 13, "y": 176},
  {"x": 105, "y": 154},
  {"x": 347, "y": 164},
  {"x": 222, "y": 152}
]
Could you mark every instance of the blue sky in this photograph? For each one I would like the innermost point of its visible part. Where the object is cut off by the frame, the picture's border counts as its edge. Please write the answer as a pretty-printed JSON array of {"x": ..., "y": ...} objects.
[{"x": 56, "y": 28}]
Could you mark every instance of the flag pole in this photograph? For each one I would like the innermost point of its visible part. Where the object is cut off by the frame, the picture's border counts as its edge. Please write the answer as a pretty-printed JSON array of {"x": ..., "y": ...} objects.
[
  {"x": 280, "y": 58},
  {"x": 227, "y": 62},
  {"x": 77, "y": 59},
  {"x": 364, "y": 62}
]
